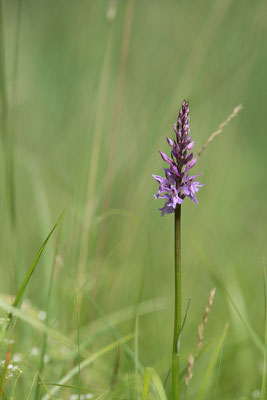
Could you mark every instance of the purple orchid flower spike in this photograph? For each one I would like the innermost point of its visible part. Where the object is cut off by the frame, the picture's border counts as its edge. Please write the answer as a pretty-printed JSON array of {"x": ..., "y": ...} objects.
[
  {"x": 174, "y": 187},
  {"x": 177, "y": 183}
]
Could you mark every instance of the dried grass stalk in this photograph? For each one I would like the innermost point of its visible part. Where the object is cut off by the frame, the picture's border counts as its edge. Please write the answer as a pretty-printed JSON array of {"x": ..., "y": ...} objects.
[
  {"x": 191, "y": 358},
  {"x": 221, "y": 127}
]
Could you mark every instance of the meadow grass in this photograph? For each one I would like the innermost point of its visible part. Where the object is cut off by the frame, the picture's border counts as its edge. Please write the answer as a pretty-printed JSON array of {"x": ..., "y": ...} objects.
[{"x": 88, "y": 92}]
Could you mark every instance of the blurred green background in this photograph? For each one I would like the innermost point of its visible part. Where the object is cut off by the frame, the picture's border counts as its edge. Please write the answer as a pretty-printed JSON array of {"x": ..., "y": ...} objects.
[{"x": 89, "y": 91}]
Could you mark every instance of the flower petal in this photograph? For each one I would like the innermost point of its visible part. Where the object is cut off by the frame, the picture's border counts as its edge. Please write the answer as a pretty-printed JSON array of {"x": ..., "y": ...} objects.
[
  {"x": 170, "y": 142},
  {"x": 158, "y": 178},
  {"x": 166, "y": 158},
  {"x": 189, "y": 158},
  {"x": 190, "y": 145},
  {"x": 191, "y": 164}
]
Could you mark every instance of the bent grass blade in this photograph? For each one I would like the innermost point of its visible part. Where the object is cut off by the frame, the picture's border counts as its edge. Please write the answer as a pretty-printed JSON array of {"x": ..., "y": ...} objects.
[
  {"x": 212, "y": 364},
  {"x": 35, "y": 262},
  {"x": 74, "y": 371},
  {"x": 152, "y": 375},
  {"x": 36, "y": 324}
]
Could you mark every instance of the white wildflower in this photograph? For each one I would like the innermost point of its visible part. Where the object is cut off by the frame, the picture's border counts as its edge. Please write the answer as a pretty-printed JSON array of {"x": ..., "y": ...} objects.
[
  {"x": 35, "y": 351},
  {"x": 17, "y": 357},
  {"x": 42, "y": 315},
  {"x": 46, "y": 358},
  {"x": 26, "y": 304},
  {"x": 256, "y": 394},
  {"x": 12, "y": 369},
  {"x": 112, "y": 10}
]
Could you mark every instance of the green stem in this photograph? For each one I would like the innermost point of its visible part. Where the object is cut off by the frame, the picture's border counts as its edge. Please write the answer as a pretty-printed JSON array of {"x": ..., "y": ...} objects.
[
  {"x": 264, "y": 372},
  {"x": 177, "y": 304},
  {"x": 48, "y": 311},
  {"x": 7, "y": 140}
]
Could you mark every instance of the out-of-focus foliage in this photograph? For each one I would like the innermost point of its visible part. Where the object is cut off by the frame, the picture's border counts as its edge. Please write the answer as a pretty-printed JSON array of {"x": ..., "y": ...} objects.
[{"x": 93, "y": 88}]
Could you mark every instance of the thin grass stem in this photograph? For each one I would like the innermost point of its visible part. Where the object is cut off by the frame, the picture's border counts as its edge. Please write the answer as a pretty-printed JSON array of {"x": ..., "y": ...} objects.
[
  {"x": 94, "y": 163},
  {"x": 177, "y": 304},
  {"x": 78, "y": 342},
  {"x": 7, "y": 144},
  {"x": 35, "y": 262},
  {"x": 32, "y": 385},
  {"x": 48, "y": 312},
  {"x": 264, "y": 372},
  {"x": 90, "y": 360},
  {"x": 116, "y": 120}
]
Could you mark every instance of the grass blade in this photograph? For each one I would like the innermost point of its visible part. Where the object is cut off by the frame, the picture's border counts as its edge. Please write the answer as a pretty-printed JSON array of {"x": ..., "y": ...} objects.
[
  {"x": 40, "y": 326},
  {"x": 71, "y": 387},
  {"x": 35, "y": 262},
  {"x": 49, "y": 395},
  {"x": 212, "y": 364},
  {"x": 32, "y": 385},
  {"x": 48, "y": 308},
  {"x": 116, "y": 333},
  {"x": 146, "y": 385},
  {"x": 74, "y": 371},
  {"x": 218, "y": 283},
  {"x": 157, "y": 383}
]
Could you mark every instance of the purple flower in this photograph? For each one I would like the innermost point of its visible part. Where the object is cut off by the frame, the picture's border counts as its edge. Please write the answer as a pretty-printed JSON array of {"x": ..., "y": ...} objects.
[
  {"x": 168, "y": 192},
  {"x": 177, "y": 183},
  {"x": 190, "y": 187}
]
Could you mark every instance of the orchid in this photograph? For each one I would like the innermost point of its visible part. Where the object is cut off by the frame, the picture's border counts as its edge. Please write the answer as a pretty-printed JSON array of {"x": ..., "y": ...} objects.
[
  {"x": 174, "y": 187},
  {"x": 177, "y": 183}
]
